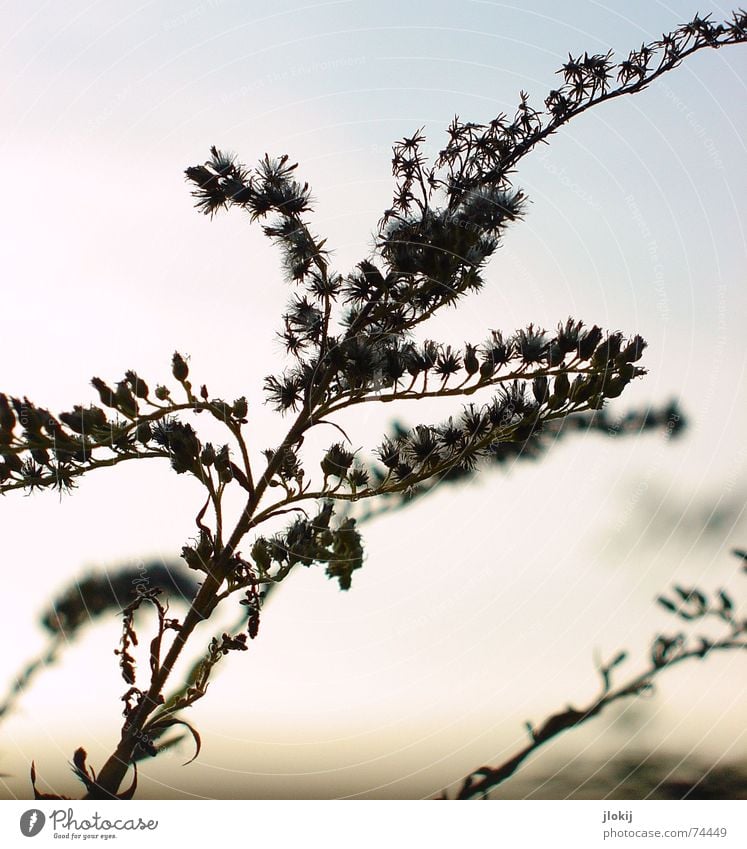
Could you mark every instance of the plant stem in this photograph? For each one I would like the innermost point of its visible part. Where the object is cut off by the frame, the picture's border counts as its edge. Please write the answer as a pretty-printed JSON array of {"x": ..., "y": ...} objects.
[{"x": 114, "y": 770}]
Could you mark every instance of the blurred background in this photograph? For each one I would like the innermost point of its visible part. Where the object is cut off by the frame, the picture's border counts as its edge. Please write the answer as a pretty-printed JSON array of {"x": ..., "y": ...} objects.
[{"x": 482, "y": 606}]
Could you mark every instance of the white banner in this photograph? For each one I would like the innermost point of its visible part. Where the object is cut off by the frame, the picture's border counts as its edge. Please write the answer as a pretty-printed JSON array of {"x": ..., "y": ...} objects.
[{"x": 375, "y": 824}]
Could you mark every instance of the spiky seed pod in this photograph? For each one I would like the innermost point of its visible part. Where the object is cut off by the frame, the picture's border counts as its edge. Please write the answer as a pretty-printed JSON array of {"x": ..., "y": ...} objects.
[
  {"x": 336, "y": 461},
  {"x": 358, "y": 477},
  {"x": 448, "y": 363},
  {"x": 568, "y": 336},
  {"x": 389, "y": 453},
  {"x": 530, "y": 344}
]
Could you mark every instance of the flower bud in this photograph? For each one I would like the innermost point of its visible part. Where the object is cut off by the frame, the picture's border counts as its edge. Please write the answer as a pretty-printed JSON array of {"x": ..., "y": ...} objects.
[
  {"x": 539, "y": 389},
  {"x": 125, "y": 399},
  {"x": 614, "y": 387},
  {"x": 240, "y": 408},
  {"x": 13, "y": 462},
  {"x": 139, "y": 386},
  {"x": 261, "y": 554},
  {"x": 41, "y": 455},
  {"x": 105, "y": 393},
  {"x": 555, "y": 354},
  {"x": 583, "y": 388},
  {"x": 627, "y": 372},
  {"x": 588, "y": 342},
  {"x": 198, "y": 557},
  {"x": 7, "y": 416},
  {"x": 179, "y": 367},
  {"x": 471, "y": 363},
  {"x": 143, "y": 433},
  {"x": 223, "y": 465},
  {"x": 162, "y": 393},
  {"x": 30, "y": 418},
  {"x": 561, "y": 387},
  {"x": 607, "y": 350},
  {"x": 83, "y": 420},
  {"x": 221, "y": 409},
  {"x": 487, "y": 369},
  {"x": 632, "y": 352}
]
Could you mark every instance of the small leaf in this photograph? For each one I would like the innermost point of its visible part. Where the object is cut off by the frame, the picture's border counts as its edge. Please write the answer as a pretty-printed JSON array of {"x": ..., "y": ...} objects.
[
  {"x": 665, "y": 602},
  {"x": 727, "y": 605},
  {"x": 620, "y": 658},
  {"x": 162, "y": 724},
  {"x": 130, "y": 792}
]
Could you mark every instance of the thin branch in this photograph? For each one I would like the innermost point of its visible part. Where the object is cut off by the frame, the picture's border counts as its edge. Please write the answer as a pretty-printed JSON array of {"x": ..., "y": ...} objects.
[{"x": 666, "y": 652}]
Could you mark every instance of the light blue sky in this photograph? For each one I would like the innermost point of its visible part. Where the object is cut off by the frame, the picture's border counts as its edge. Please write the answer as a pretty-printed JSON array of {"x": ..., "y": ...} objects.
[{"x": 447, "y": 642}]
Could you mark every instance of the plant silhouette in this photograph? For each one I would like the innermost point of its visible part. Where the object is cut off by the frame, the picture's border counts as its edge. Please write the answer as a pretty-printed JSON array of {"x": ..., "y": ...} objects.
[{"x": 353, "y": 339}]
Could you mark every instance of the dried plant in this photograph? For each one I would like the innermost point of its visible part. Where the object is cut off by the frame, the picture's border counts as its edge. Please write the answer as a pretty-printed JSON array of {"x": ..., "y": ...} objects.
[{"x": 351, "y": 339}]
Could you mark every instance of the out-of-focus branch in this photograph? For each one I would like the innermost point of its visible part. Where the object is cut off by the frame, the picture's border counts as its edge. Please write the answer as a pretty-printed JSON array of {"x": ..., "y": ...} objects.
[
  {"x": 667, "y": 419},
  {"x": 689, "y": 604}
]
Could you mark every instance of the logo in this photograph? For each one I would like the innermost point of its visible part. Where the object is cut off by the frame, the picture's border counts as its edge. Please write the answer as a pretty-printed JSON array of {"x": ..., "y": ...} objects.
[{"x": 32, "y": 822}]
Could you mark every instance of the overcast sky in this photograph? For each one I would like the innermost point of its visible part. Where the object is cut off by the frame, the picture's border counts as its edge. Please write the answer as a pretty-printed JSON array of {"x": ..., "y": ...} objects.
[{"x": 481, "y": 607}]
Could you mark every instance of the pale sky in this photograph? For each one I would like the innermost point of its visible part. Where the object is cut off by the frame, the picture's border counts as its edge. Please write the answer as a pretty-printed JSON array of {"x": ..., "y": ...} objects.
[{"x": 484, "y": 606}]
